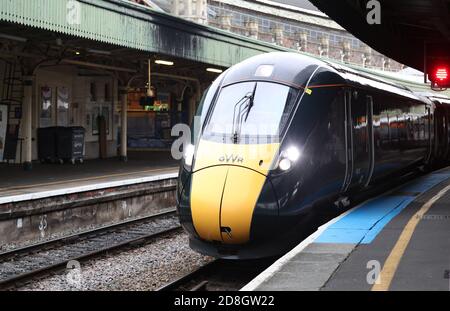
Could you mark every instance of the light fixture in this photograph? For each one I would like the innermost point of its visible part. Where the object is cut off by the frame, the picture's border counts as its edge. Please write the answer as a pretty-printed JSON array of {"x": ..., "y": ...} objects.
[
  {"x": 288, "y": 157},
  {"x": 285, "y": 164},
  {"x": 15, "y": 38},
  {"x": 163, "y": 62},
  {"x": 77, "y": 52},
  {"x": 292, "y": 154},
  {"x": 215, "y": 70},
  {"x": 101, "y": 52},
  {"x": 441, "y": 74}
]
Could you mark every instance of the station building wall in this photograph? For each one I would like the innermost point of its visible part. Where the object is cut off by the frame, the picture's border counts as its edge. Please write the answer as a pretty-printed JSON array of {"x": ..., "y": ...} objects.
[{"x": 67, "y": 96}]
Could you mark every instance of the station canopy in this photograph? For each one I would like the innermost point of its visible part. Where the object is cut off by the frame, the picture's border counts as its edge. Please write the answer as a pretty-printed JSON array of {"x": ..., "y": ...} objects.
[{"x": 406, "y": 29}]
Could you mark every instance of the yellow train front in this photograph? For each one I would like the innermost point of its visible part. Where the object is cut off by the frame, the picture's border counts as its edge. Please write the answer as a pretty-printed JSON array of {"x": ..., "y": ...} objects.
[
  {"x": 227, "y": 199},
  {"x": 275, "y": 136}
]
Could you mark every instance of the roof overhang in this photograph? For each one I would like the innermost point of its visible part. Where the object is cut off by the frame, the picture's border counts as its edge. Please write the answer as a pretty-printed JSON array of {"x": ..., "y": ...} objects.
[
  {"x": 406, "y": 27},
  {"x": 125, "y": 24}
]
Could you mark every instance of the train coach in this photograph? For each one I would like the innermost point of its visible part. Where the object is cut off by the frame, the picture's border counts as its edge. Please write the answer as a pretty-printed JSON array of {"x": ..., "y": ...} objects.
[{"x": 282, "y": 136}]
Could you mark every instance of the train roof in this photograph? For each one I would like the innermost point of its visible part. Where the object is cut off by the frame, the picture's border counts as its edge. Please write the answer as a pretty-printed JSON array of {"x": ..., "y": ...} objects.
[
  {"x": 441, "y": 98},
  {"x": 296, "y": 69},
  {"x": 363, "y": 78},
  {"x": 394, "y": 78}
]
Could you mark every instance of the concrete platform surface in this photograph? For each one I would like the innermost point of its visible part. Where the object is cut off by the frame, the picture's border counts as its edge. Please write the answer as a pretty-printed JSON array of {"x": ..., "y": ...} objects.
[
  {"x": 58, "y": 179},
  {"x": 397, "y": 241}
]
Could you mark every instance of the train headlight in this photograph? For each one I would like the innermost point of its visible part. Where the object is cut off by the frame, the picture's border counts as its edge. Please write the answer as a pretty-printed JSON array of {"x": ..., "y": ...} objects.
[
  {"x": 292, "y": 153},
  {"x": 188, "y": 154},
  {"x": 285, "y": 164},
  {"x": 288, "y": 157}
]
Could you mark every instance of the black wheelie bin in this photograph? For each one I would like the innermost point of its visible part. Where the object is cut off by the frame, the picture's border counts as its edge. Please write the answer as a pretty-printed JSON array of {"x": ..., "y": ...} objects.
[
  {"x": 47, "y": 144},
  {"x": 70, "y": 144}
]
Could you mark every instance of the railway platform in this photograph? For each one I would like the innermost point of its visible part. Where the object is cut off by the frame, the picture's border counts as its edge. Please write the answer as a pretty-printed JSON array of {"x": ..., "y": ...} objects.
[
  {"x": 54, "y": 177},
  {"x": 399, "y": 240},
  {"x": 55, "y": 199}
]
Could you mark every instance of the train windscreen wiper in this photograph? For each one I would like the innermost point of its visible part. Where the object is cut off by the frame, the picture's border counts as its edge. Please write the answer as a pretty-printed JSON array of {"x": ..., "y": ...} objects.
[
  {"x": 251, "y": 102},
  {"x": 245, "y": 104}
]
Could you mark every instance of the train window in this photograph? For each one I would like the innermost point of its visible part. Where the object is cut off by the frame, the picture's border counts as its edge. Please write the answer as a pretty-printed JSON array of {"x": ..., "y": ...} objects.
[
  {"x": 409, "y": 128},
  {"x": 336, "y": 129},
  {"x": 401, "y": 127},
  {"x": 422, "y": 127},
  {"x": 251, "y": 112},
  {"x": 416, "y": 123},
  {"x": 203, "y": 107},
  {"x": 393, "y": 127},
  {"x": 384, "y": 129},
  {"x": 207, "y": 99}
]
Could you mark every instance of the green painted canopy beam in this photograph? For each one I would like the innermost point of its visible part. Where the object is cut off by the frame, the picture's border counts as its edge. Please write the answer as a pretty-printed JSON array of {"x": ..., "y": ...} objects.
[{"x": 126, "y": 24}]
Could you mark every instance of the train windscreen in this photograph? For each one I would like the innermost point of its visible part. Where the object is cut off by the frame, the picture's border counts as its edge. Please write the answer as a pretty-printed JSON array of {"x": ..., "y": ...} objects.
[{"x": 250, "y": 112}]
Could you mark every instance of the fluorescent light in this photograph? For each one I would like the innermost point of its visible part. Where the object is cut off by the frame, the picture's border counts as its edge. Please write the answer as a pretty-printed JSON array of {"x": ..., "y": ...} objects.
[
  {"x": 163, "y": 62},
  {"x": 214, "y": 70},
  {"x": 99, "y": 52},
  {"x": 15, "y": 38}
]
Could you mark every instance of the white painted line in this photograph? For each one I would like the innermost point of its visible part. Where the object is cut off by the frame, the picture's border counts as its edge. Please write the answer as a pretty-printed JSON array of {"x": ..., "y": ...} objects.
[
  {"x": 90, "y": 187},
  {"x": 277, "y": 265}
]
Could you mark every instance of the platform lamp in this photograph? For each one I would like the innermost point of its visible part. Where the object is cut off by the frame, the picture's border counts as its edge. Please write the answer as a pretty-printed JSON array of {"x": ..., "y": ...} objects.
[{"x": 149, "y": 99}]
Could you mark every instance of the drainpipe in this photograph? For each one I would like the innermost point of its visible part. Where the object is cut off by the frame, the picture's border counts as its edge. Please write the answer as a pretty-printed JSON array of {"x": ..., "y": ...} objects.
[
  {"x": 123, "y": 93},
  {"x": 27, "y": 117}
]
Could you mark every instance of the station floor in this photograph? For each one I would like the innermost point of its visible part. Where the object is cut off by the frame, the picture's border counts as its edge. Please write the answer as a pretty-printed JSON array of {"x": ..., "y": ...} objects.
[
  {"x": 14, "y": 181},
  {"x": 397, "y": 241}
]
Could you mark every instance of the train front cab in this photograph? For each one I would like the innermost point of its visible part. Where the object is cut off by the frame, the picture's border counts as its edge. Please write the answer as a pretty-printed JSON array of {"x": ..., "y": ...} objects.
[
  {"x": 348, "y": 137},
  {"x": 237, "y": 200}
]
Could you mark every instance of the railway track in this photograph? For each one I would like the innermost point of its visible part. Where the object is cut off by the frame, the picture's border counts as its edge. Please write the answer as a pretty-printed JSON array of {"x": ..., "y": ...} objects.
[
  {"x": 20, "y": 266},
  {"x": 220, "y": 275}
]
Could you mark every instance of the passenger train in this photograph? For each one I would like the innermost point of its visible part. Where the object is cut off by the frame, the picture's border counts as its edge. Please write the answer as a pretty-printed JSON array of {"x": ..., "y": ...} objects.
[{"x": 282, "y": 135}]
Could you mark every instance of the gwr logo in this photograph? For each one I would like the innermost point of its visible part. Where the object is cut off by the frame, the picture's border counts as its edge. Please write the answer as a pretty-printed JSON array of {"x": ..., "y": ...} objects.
[{"x": 231, "y": 158}]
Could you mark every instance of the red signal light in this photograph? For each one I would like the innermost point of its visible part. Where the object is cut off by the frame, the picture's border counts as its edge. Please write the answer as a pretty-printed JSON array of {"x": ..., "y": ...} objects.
[{"x": 441, "y": 74}]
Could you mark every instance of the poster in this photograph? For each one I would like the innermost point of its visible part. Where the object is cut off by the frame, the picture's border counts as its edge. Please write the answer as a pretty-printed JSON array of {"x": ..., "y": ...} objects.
[
  {"x": 3, "y": 127},
  {"x": 45, "y": 119},
  {"x": 62, "y": 106},
  {"x": 94, "y": 121}
]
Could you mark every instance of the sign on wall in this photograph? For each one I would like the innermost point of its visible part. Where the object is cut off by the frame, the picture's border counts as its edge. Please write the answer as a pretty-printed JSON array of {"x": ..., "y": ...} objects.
[
  {"x": 62, "y": 105},
  {"x": 45, "y": 119}
]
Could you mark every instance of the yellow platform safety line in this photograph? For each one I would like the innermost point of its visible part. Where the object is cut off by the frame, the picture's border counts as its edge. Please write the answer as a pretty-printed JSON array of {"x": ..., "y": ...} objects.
[{"x": 390, "y": 266}]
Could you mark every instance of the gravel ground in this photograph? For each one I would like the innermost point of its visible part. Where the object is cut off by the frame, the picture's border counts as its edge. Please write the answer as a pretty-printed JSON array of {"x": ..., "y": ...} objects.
[
  {"x": 145, "y": 268},
  {"x": 65, "y": 233}
]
